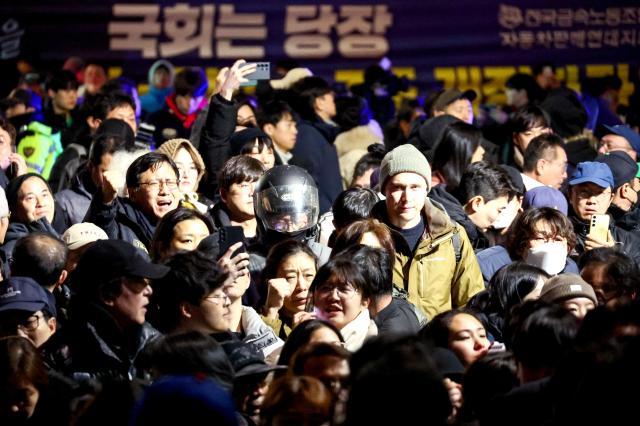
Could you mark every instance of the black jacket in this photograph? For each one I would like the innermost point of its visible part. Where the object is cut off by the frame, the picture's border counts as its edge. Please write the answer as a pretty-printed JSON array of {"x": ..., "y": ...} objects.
[
  {"x": 93, "y": 346},
  {"x": 456, "y": 212},
  {"x": 318, "y": 155},
  {"x": 19, "y": 230},
  {"x": 214, "y": 141},
  {"x": 626, "y": 242},
  {"x": 122, "y": 220},
  {"x": 398, "y": 318},
  {"x": 627, "y": 220},
  {"x": 74, "y": 202}
]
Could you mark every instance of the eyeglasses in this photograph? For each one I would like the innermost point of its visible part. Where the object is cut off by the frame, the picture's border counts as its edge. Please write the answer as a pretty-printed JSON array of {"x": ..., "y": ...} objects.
[
  {"x": 344, "y": 291},
  {"x": 154, "y": 185},
  {"x": 549, "y": 238},
  {"x": 30, "y": 324},
  {"x": 27, "y": 325},
  {"x": 585, "y": 193},
  {"x": 216, "y": 298}
]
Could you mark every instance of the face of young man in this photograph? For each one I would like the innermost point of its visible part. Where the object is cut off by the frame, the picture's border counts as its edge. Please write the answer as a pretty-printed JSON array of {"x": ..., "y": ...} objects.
[
  {"x": 126, "y": 114},
  {"x": 158, "y": 192},
  {"x": 212, "y": 315},
  {"x": 239, "y": 201},
  {"x": 284, "y": 133},
  {"x": 461, "y": 109},
  {"x": 325, "y": 106},
  {"x": 406, "y": 195},
  {"x": 521, "y": 140},
  {"x": 64, "y": 100},
  {"x": 188, "y": 104},
  {"x": 483, "y": 214},
  {"x": 588, "y": 199}
]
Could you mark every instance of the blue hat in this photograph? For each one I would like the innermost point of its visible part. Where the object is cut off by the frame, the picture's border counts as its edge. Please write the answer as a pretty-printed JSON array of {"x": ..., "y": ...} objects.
[
  {"x": 544, "y": 196},
  {"x": 623, "y": 168},
  {"x": 185, "y": 400},
  {"x": 628, "y": 133},
  {"x": 594, "y": 172},
  {"x": 24, "y": 294}
]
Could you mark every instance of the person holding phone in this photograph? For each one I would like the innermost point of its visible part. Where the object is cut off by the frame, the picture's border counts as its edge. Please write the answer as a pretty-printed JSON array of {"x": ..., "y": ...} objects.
[
  {"x": 11, "y": 163},
  {"x": 591, "y": 193}
]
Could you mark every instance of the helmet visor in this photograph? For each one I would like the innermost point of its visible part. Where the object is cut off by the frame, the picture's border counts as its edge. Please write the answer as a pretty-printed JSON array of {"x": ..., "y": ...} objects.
[{"x": 288, "y": 208}]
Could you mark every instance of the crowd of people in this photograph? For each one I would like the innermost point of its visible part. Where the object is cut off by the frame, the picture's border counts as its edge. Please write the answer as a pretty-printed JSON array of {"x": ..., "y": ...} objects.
[{"x": 312, "y": 254}]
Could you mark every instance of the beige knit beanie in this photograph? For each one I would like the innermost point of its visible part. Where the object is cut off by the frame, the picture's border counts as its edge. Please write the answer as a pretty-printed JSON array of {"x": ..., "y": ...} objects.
[
  {"x": 171, "y": 147},
  {"x": 404, "y": 158}
]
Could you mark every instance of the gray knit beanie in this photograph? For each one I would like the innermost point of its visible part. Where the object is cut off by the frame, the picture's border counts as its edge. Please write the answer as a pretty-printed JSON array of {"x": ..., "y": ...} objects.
[
  {"x": 567, "y": 286},
  {"x": 404, "y": 158}
]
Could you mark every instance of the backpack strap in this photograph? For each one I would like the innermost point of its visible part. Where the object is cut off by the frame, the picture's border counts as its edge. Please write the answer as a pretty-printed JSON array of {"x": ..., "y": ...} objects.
[{"x": 457, "y": 244}]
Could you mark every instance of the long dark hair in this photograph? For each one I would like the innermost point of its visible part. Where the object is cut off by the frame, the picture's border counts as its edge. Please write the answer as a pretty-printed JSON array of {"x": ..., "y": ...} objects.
[
  {"x": 164, "y": 231},
  {"x": 453, "y": 153},
  {"x": 300, "y": 337},
  {"x": 20, "y": 362}
]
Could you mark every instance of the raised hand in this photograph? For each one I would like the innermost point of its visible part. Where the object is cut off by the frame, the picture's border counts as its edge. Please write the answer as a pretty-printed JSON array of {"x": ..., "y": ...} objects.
[{"x": 229, "y": 79}]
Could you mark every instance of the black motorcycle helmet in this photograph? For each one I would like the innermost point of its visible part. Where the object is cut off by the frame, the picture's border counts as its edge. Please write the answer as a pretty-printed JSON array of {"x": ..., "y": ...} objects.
[{"x": 286, "y": 200}]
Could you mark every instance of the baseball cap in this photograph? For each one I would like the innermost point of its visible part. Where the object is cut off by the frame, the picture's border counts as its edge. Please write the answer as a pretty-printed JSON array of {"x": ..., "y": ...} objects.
[
  {"x": 628, "y": 133},
  {"x": 594, "y": 172},
  {"x": 544, "y": 196},
  {"x": 623, "y": 168},
  {"x": 447, "y": 97},
  {"x": 81, "y": 234},
  {"x": 106, "y": 260},
  {"x": 247, "y": 361},
  {"x": 25, "y": 294}
]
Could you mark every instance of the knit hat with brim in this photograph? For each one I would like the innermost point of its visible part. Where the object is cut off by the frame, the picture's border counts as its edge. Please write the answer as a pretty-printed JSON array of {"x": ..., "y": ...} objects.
[
  {"x": 404, "y": 159},
  {"x": 170, "y": 149},
  {"x": 567, "y": 286}
]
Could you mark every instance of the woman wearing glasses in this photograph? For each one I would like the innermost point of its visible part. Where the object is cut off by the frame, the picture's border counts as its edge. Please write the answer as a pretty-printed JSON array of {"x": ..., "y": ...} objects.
[
  {"x": 191, "y": 168},
  {"x": 340, "y": 297}
]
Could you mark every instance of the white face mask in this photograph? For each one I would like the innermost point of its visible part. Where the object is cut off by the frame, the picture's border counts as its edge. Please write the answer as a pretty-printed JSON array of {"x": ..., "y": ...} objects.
[
  {"x": 507, "y": 215},
  {"x": 550, "y": 257}
]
